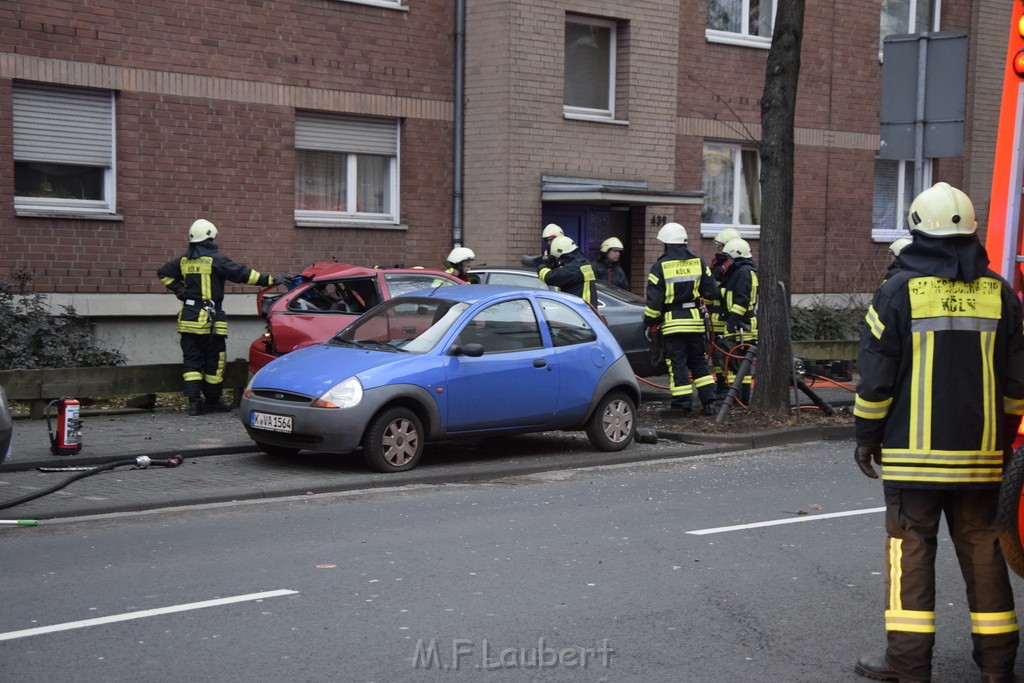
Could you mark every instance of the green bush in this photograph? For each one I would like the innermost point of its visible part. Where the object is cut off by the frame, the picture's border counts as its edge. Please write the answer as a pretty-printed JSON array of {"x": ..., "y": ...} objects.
[
  {"x": 821, "y": 321},
  {"x": 32, "y": 337}
]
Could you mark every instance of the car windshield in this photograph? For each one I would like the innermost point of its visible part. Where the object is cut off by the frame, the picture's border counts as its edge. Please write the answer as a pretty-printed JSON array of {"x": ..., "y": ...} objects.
[
  {"x": 618, "y": 293},
  {"x": 406, "y": 324}
]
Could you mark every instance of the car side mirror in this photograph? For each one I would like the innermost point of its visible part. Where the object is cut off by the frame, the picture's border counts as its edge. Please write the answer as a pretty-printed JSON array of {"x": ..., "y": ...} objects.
[{"x": 472, "y": 350}]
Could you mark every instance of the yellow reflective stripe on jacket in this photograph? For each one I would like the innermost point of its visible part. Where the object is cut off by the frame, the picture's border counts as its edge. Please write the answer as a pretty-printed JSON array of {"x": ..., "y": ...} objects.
[
  {"x": 993, "y": 623},
  {"x": 1013, "y": 406},
  {"x": 254, "y": 278},
  {"x": 167, "y": 281},
  {"x": 874, "y": 323},
  {"x": 871, "y": 410},
  {"x": 588, "y": 279},
  {"x": 679, "y": 274}
]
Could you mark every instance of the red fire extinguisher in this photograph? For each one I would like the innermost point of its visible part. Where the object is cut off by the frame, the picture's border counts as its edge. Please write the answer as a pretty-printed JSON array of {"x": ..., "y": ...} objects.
[{"x": 67, "y": 440}]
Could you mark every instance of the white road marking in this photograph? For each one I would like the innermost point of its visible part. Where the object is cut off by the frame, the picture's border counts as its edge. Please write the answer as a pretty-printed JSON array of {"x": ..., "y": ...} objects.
[
  {"x": 788, "y": 520},
  {"x": 127, "y": 616}
]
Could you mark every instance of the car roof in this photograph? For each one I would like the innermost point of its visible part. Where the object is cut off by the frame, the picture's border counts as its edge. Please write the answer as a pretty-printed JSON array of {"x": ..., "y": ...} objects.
[
  {"x": 329, "y": 270},
  {"x": 471, "y": 294}
]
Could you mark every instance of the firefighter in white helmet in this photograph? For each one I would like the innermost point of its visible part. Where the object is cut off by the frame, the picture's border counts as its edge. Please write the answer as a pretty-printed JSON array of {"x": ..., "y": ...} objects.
[
  {"x": 677, "y": 282},
  {"x": 608, "y": 267},
  {"x": 458, "y": 262},
  {"x": 197, "y": 278},
  {"x": 714, "y": 307},
  {"x": 941, "y": 393},
  {"x": 571, "y": 272},
  {"x": 894, "y": 254},
  {"x": 737, "y": 311}
]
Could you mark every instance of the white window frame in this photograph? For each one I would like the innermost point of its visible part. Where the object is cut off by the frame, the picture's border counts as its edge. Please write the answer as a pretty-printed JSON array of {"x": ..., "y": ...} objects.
[
  {"x": 746, "y": 230},
  {"x": 352, "y": 217},
  {"x": 904, "y": 192},
  {"x": 588, "y": 113},
  {"x": 912, "y": 26},
  {"x": 53, "y": 127},
  {"x": 743, "y": 38}
]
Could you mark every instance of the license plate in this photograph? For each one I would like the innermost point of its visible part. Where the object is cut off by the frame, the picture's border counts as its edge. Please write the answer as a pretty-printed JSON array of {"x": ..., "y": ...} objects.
[{"x": 270, "y": 422}]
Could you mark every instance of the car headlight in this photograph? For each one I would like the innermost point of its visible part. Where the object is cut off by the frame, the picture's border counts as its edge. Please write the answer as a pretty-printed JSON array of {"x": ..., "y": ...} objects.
[{"x": 342, "y": 395}]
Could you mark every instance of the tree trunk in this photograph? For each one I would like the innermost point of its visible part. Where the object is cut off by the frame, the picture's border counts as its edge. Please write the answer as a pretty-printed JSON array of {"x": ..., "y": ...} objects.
[{"x": 778, "y": 113}]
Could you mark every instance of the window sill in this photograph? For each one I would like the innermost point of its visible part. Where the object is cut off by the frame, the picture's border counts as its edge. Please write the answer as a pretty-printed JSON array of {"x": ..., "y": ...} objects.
[
  {"x": 747, "y": 232},
  {"x": 594, "y": 119},
  {"x": 737, "y": 39},
  {"x": 71, "y": 215},
  {"x": 887, "y": 235},
  {"x": 347, "y": 224},
  {"x": 378, "y": 3}
]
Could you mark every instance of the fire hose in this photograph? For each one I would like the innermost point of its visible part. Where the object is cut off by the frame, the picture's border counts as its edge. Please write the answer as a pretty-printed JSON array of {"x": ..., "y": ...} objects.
[{"x": 141, "y": 462}]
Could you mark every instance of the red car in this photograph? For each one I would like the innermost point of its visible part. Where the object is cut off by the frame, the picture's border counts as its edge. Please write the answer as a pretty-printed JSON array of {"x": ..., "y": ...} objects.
[{"x": 328, "y": 297}]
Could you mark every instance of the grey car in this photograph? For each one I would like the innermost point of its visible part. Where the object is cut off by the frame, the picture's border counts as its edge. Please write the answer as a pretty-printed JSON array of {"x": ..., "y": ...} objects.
[
  {"x": 622, "y": 311},
  {"x": 6, "y": 426}
]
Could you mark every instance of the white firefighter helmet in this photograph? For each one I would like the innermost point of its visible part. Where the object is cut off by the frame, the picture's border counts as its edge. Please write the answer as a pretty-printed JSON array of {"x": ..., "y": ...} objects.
[
  {"x": 737, "y": 248},
  {"x": 551, "y": 231},
  {"x": 896, "y": 247},
  {"x": 725, "y": 236},
  {"x": 201, "y": 230},
  {"x": 942, "y": 211},
  {"x": 460, "y": 255},
  {"x": 611, "y": 243},
  {"x": 562, "y": 245},
  {"x": 672, "y": 233}
]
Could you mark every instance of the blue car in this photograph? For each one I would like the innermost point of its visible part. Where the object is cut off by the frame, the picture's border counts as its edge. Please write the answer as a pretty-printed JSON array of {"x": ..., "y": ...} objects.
[{"x": 478, "y": 360}]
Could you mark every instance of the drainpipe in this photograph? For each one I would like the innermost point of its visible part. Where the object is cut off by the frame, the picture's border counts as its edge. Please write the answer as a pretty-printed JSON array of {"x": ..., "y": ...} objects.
[{"x": 460, "y": 46}]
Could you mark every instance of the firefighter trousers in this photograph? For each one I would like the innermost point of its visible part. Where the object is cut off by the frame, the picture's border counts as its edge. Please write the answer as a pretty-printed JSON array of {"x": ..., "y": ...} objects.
[
  {"x": 912, "y": 523},
  {"x": 203, "y": 358},
  {"x": 686, "y": 356}
]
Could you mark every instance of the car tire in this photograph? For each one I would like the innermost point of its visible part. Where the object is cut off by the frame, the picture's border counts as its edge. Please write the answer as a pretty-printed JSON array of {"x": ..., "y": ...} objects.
[
  {"x": 394, "y": 441},
  {"x": 277, "y": 451},
  {"x": 1008, "y": 513},
  {"x": 613, "y": 424}
]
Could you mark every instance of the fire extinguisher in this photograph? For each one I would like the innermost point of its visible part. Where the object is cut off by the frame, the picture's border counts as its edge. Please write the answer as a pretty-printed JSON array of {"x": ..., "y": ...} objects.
[{"x": 67, "y": 440}]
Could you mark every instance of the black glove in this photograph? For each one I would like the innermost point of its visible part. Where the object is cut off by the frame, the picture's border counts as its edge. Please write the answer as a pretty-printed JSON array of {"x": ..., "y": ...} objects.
[
  {"x": 733, "y": 323},
  {"x": 864, "y": 455},
  {"x": 178, "y": 288},
  {"x": 285, "y": 280}
]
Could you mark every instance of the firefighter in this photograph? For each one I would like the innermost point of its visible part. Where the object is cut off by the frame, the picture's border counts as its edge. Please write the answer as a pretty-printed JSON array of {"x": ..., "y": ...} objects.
[
  {"x": 714, "y": 307},
  {"x": 675, "y": 285},
  {"x": 571, "y": 272},
  {"x": 550, "y": 232},
  {"x": 941, "y": 392},
  {"x": 458, "y": 263},
  {"x": 737, "y": 276},
  {"x": 607, "y": 268},
  {"x": 894, "y": 252},
  {"x": 197, "y": 279}
]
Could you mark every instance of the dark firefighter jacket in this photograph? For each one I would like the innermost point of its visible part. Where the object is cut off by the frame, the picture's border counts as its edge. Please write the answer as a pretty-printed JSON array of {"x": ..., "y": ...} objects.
[
  {"x": 573, "y": 275},
  {"x": 739, "y": 295},
  {"x": 610, "y": 272},
  {"x": 676, "y": 281},
  {"x": 197, "y": 278},
  {"x": 942, "y": 368}
]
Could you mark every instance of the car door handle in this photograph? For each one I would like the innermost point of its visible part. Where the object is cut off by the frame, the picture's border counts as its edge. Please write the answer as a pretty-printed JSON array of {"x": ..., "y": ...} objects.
[{"x": 539, "y": 363}]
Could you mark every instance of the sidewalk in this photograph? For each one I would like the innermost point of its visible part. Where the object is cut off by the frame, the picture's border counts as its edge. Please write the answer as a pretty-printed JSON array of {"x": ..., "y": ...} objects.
[{"x": 223, "y": 464}]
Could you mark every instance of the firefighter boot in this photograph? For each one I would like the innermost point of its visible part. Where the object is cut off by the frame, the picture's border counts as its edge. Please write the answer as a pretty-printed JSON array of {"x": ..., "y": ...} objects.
[
  {"x": 195, "y": 407},
  {"x": 877, "y": 668},
  {"x": 721, "y": 387},
  {"x": 214, "y": 404},
  {"x": 745, "y": 395}
]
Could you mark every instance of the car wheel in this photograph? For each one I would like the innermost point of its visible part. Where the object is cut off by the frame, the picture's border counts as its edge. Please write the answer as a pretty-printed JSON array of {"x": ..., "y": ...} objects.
[
  {"x": 394, "y": 441},
  {"x": 277, "y": 451},
  {"x": 613, "y": 424},
  {"x": 1010, "y": 513}
]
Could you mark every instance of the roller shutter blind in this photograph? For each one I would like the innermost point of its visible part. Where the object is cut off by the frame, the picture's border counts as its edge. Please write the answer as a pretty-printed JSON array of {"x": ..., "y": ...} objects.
[
  {"x": 332, "y": 133},
  {"x": 63, "y": 125}
]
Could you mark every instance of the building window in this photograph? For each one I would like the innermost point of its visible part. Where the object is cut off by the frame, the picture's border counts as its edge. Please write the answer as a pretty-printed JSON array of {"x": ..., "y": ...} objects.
[
  {"x": 63, "y": 150},
  {"x": 346, "y": 169},
  {"x": 741, "y": 22},
  {"x": 589, "y": 68},
  {"x": 894, "y": 190},
  {"x": 732, "y": 189},
  {"x": 908, "y": 16}
]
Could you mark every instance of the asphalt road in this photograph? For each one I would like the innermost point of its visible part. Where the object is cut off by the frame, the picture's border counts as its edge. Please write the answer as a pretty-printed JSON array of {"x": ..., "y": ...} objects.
[{"x": 634, "y": 572}]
